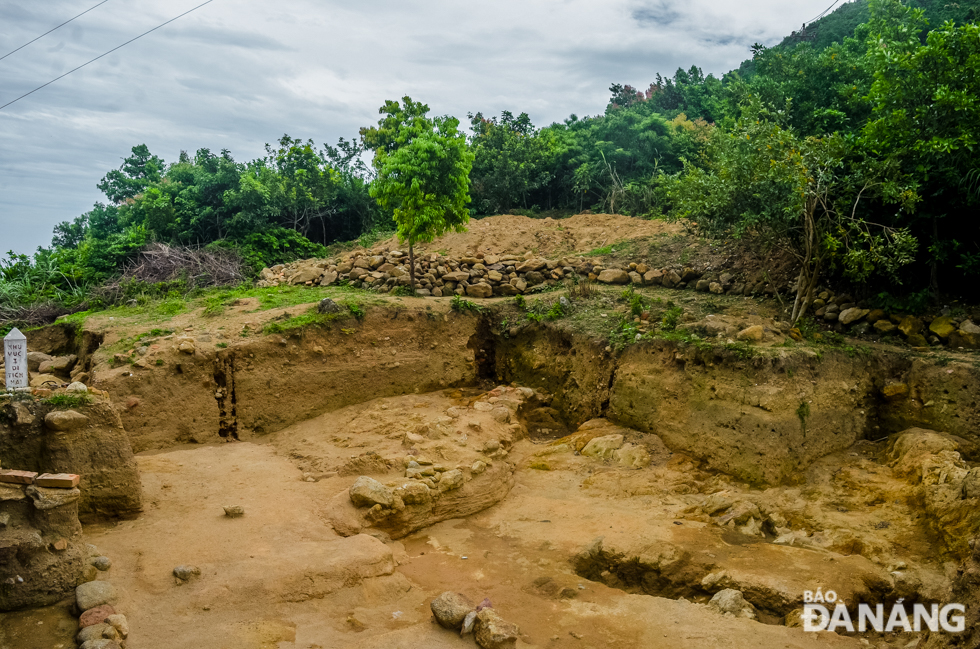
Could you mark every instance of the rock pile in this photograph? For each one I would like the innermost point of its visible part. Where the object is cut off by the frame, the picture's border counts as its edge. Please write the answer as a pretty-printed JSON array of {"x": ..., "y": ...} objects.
[
  {"x": 456, "y": 612},
  {"x": 101, "y": 627},
  {"x": 483, "y": 275}
]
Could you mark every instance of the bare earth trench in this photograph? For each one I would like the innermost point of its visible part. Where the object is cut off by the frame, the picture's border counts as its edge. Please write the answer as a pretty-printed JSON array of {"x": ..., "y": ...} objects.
[
  {"x": 598, "y": 499},
  {"x": 280, "y": 576}
]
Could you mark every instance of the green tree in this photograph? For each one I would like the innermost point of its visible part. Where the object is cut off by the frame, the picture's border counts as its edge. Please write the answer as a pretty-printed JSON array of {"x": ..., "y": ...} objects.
[
  {"x": 136, "y": 173},
  {"x": 423, "y": 170},
  {"x": 926, "y": 115},
  {"x": 804, "y": 195}
]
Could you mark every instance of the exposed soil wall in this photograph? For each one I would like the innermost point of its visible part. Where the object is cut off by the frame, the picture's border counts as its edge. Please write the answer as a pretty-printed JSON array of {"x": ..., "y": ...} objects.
[
  {"x": 259, "y": 387},
  {"x": 97, "y": 449}
]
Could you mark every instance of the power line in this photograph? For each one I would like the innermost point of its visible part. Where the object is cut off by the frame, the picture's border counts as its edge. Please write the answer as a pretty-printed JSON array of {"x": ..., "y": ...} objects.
[
  {"x": 825, "y": 12},
  {"x": 51, "y": 30},
  {"x": 106, "y": 53}
]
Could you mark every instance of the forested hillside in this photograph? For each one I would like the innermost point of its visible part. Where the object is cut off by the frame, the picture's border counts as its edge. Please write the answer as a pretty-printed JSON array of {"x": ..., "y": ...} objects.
[{"x": 852, "y": 148}]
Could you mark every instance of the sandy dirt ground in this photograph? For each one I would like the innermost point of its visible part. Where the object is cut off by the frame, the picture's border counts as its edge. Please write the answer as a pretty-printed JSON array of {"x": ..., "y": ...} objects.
[
  {"x": 516, "y": 235},
  {"x": 280, "y": 576}
]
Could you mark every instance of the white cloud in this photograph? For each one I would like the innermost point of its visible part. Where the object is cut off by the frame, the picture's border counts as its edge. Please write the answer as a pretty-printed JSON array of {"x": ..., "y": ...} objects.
[{"x": 238, "y": 73}]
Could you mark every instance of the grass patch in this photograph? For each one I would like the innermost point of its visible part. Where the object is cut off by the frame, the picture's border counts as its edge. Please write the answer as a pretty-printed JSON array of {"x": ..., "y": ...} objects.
[
  {"x": 68, "y": 400},
  {"x": 460, "y": 305}
]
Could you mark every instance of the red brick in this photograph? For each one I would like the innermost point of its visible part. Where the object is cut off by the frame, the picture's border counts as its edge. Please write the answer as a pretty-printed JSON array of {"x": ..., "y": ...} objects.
[
  {"x": 58, "y": 480},
  {"x": 17, "y": 477}
]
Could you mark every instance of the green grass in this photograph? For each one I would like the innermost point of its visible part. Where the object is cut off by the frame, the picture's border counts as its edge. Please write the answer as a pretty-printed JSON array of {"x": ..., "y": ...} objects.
[
  {"x": 600, "y": 252},
  {"x": 460, "y": 305},
  {"x": 296, "y": 323},
  {"x": 68, "y": 400}
]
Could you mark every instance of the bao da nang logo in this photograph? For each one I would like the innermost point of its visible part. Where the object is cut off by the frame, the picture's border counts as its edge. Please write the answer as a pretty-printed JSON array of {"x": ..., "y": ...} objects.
[{"x": 822, "y": 612}]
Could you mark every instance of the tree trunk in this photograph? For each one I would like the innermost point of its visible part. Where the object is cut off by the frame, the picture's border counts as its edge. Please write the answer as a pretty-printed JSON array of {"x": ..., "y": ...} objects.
[
  {"x": 411, "y": 264},
  {"x": 810, "y": 267}
]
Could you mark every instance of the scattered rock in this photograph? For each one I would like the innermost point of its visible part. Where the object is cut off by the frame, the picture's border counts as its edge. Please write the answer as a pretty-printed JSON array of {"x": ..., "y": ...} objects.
[
  {"x": 451, "y": 480},
  {"x": 186, "y": 573},
  {"x": 492, "y": 632},
  {"x": 366, "y": 492},
  {"x": 731, "y": 602},
  {"x": 234, "y": 511},
  {"x": 754, "y": 334},
  {"x": 95, "y": 593},
  {"x": 450, "y": 610},
  {"x": 101, "y": 563},
  {"x": 326, "y": 306},
  {"x": 603, "y": 447}
]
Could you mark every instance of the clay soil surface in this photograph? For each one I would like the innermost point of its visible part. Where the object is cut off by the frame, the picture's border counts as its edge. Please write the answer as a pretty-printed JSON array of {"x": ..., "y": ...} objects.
[{"x": 280, "y": 576}]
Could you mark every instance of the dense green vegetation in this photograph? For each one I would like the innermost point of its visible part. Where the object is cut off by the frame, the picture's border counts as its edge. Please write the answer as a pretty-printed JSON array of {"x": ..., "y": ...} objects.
[{"x": 850, "y": 145}]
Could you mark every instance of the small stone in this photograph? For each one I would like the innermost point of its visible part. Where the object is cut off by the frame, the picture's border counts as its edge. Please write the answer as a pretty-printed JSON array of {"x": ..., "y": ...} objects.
[
  {"x": 754, "y": 333},
  {"x": 614, "y": 276},
  {"x": 77, "y": 387},
  {"x": 884, "y": 327},
  {"x": 119, "y": 623},
  {"x": 65, "y": 420},
  {"x": 95, "y": 615},
  {"x": 478, "y": 467},
  {"x": 327, "y": 305},
  {"x": 492, "y": 632},
  {"x": 88, "y": 573},
  {"x": 451, "y": 480},
  {"x": 100, "y": 631},
  {"x": 100, "y": 644},
  {"x": 450, "y": 610},
  {"x": 366, "y": 492},
  {"x": 942, "y": 326},
  {"x": 95, "y": 593},
  {"x": 186, "y": 573},
  {"x": 234, "y": 511},
  {"x": 101, "y": 563},
  {"x": 731, "y": 602},
  {"x": 853, "y": 314}
]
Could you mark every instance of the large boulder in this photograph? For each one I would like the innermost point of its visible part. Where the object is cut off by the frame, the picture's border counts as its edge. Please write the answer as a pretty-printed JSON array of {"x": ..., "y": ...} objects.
[
  {"x": 942, "y": 326},
  {"x": 58, "y": 365},
  {"x": 851, "y": 315}
]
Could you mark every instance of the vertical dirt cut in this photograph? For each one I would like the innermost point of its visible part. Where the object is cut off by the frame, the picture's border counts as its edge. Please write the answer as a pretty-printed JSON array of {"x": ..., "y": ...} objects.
[{"x": 224, "y": 394}]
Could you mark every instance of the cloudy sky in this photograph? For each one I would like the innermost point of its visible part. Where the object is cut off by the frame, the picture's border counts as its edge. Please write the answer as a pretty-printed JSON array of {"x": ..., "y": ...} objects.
[{"x": 236, "y": 74}]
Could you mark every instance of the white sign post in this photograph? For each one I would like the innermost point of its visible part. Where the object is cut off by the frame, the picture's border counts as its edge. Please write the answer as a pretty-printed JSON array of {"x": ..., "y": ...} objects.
[{"x": 15, "y": 359}]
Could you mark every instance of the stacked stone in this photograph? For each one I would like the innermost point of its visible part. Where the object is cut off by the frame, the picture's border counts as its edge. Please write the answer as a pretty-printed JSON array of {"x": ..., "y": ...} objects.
[{"x": 101, "y": 626}]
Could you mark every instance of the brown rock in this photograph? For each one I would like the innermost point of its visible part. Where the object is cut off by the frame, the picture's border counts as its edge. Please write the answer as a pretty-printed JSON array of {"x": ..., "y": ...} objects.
[
  {"x": 895, "y": 391},
  {"x": 910, "y": 325},
  {"x": 479, "y": 290},
  {"x": 95, "y": 615},
  {"x": 755, "y": 334},
  {"x": 64, "y": 420},
  {"x": 450, "y": 610},
  {"x": 962, "y": 338},
  {"x": 653, "y": 277},
  {"x": 492, "y": 632},
  {"x": 942, "y": 326},
  {"x": 614, "y": 276},
  {"x": 874, "y": 315},
  {"x": 848, "y": 316},
  {"x": 884, "y": 326}
]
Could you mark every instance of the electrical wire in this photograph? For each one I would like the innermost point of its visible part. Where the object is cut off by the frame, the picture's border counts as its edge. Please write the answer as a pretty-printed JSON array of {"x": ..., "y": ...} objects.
[
  {"x": 825, "y": 12},
  {"x": 51, "y": 30},
  {"x": 106, "y": 53}
]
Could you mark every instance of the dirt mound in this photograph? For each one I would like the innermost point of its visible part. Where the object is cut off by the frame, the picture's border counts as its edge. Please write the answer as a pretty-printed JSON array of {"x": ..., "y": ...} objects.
[{"x": 516, "y": 234}]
